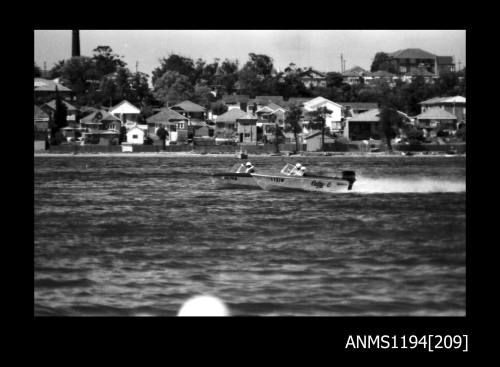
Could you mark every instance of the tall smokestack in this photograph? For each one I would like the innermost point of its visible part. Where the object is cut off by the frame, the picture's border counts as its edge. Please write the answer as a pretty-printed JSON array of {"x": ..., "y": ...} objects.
[{"x": 76, "y": 43}]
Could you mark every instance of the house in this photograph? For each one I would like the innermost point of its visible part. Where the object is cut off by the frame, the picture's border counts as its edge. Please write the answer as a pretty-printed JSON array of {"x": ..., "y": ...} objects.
[
  {"x": 367, "y": 125},
  {"x": 226, "y": 125},
  {"x": 135, "y": 136},
  {"x": 355, "y": 108},
  {"x": 190, "y": 110},
  {"x": 384, "y": 76},
  {"x": 409, "y": 59},
  {"x": 313, "y": 141},
  {"x": 125, "y": 111},
  {"x": 313, "y": 78},
  {"x": 201, "y": 129},
  {"x": 436, "y": 117},
  {"x": 356, "y": 75},
  {"x": 247, "y": 129},
  {"x": 455, "y": 105},
  {"x": 72, "y": 111},
  {"x": 420, "y": 71},
  {"x": 297, "y": 101},
  {"x": 100, "y": 120},
  {"x": 236, "y": 101},
  {"x": 261, "y": 101},
  {"x": 41, "y": 119},
  {"x": 45, "y": 90},
  {"x": 333, "y": 120},
  {"x": 172, "y": 121}
]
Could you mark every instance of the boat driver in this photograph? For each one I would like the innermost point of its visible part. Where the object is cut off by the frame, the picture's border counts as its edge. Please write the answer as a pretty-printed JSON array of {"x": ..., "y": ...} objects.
[
  {"x": 301, "y": 171},
  {"x": 297, "y": 169},
  {"x": 249, "y": 167}
]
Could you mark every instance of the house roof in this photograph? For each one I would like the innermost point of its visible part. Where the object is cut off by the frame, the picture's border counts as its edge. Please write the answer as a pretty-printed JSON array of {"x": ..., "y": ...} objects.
[
  {"x": 46, "y": 85},
  {"x": 383, "y": 74},
  {"x": 360, "y": 105},
  {"x": 40, "y": 114},
  {"x": 297, "y": 101},
  {"x": 124, "y": 107},
  {"x": 189, "y": 106},
  {"x": 264, "y": 100},
  {"x": 444, "y": 60},
  {"x": 412, "y": 53},
  {"x": 317, "y": 102},
  {"x": 316, "y": 133},
  {"x": 313, "y": 73},
  {"x": 247, "y": 116},
  {"x": 356, "y": 71},
  {"x": 231, "y": 115},
  {"x": 436, "y": 113},
  {"x": 372, "y": 116},
  {"x": 420, "y": 71},
  {"x": 166, "y": 115},
  {"x": 441, "y": 100},
  {"x": 235, "y": 98},
  {"x": 274, "y": 106},
  {"x": 94, "y": 118},
  {"x": 52, "y": 105}
]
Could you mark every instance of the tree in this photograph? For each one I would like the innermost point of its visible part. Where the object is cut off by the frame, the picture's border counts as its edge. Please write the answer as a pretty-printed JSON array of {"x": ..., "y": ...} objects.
[
  {"x": 390, "y": 122},
  {"x": 123, "y": 135},
  {"x": 162, "y": 134},
  {"x": 55, "y": 72},
  {"x": 106, "y": 61},
  {"x": 173, "y": 88},
  {"x": 256, "y": 75},
  {"x": 383, "y": 61},
  {"x": 318, "y": 121},
  {"x": 292, "y": 123},
  {"x": 218, "y": 108},
  {"x": 174, "y": 63},
  {"x": 334, "y": 79},
  {"x": 38, "y": 71},
  {"x": 59, "y": 119}
]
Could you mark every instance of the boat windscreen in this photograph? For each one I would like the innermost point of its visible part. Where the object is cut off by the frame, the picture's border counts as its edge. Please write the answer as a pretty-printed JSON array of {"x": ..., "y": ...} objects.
[
  {"x": 238, "y": 168},
  {"x": 288, "y": 169}
]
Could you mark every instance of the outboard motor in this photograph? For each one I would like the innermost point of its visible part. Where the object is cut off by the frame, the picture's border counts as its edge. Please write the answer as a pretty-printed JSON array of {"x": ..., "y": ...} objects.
[{"x": 349, "y": 176}]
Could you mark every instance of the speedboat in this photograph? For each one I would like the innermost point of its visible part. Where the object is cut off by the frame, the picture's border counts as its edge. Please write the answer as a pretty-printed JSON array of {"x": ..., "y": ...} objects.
[
  {"x": 290, "y": 178},
  {"x": 236, "y": 177}
]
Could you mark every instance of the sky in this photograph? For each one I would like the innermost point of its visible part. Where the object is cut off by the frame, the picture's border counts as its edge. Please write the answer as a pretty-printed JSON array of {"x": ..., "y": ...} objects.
[{"x": 320, "y": 49}]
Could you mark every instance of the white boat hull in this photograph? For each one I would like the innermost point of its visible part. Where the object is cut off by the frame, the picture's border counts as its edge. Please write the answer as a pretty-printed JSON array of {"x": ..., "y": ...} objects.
[
  {"x": 302, "y": 183},
  {"x": 234, "y": 180}
]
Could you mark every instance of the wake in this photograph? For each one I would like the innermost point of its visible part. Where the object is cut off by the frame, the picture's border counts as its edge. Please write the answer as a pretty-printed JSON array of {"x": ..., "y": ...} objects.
[{"x": 422, "y": 185}]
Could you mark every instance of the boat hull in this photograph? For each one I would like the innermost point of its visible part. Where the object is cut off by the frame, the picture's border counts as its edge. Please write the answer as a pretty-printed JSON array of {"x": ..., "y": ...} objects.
[
  {"x": 234, "y": 180},
  {"x": 301, "y": 183}
]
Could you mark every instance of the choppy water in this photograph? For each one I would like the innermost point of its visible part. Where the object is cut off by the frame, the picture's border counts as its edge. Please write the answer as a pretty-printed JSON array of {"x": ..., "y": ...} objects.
[{"x": 140, "y": 235}]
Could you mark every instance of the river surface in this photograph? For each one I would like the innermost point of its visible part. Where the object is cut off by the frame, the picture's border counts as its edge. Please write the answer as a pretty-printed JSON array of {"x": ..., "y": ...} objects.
[{"x": 133, "y": 236}]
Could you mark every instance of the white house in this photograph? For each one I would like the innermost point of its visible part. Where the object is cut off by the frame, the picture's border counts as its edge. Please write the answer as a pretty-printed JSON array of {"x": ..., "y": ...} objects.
[
  {"x": 125, "y": 111},
  {"x": 333, "y": 120},
  {"x": 135, "y": 136}
]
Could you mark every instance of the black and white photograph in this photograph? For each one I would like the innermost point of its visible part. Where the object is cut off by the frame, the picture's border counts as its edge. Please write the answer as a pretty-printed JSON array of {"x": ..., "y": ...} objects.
[{"x": 246, "y": 172}]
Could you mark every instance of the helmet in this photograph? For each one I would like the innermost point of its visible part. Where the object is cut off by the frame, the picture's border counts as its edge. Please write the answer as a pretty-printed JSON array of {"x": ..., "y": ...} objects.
[
  {"x": 248, "y": 164},
  {"x": 302, "y": 168},
  {"x": 298, "y": 165}
]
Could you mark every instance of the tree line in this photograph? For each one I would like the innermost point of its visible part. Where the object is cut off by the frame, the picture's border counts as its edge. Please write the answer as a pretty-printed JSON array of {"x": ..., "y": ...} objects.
[{"x": 104, "y": 80}]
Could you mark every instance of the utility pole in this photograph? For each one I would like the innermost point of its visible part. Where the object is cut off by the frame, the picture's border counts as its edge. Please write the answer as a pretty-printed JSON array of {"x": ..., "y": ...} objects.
[
  {"x": 136, "y": 66},
  {"x": 341, "y": 63},
  {"x": 459, "y": 63},
  {"x": 75, "y": 45}
]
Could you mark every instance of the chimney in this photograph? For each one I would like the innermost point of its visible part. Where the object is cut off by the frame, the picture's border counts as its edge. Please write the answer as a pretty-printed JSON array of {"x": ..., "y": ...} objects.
[{"x": 75, "y": 43}]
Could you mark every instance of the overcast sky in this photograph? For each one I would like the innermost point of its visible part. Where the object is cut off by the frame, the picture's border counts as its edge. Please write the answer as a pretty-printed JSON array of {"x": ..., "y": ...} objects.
[{"x": 320, "y": 49}]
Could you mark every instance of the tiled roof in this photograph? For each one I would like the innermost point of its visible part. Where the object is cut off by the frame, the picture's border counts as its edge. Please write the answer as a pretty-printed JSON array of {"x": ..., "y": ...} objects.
[
  {"x": 189, "y": 106},
  {"x": 40, "y": 114},
  {"x": 166, "y": 115},
  {"x": 52, "y": 104},
  {"x": 420, "y": 72},
  {"x": 231, "y": 115},
  {"x": 264, "y": 100},
  {"x": 235, "y": 98},
  {"x": 46, "y": 85},
  {"x": 92, "y": 118},
  {"x": 124, "y": 102},
  {"x": 383, "y": 74},
  {"x": 247, "y": 116},
  {"x": 360, "y": 105},
  {"x": 441, "y": 100},
  {"x": 444, "y": 60},
  {"x": 436, "y": 113},
  {"x": 296, "y": 101},
  {"x": 412, "y": 53},
  {"x": 372, "y": 116},
  {"x": 356, "y": 71}
]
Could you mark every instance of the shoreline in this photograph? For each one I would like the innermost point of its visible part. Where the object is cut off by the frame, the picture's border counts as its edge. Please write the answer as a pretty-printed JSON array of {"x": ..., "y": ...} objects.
[{"x": 232, "y": 155}]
